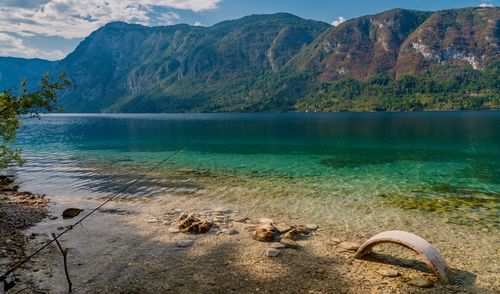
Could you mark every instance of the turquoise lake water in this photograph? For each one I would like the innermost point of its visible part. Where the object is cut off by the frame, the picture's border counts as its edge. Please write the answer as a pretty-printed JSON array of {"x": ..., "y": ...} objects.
[{"x": 441, "y": 162}]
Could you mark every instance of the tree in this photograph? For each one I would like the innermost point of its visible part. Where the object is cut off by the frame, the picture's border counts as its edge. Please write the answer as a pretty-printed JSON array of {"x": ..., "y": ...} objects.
[{"x": 18, "y": 103}]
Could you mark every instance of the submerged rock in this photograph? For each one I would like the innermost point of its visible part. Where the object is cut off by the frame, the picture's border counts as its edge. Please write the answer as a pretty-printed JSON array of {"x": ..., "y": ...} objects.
[
  {"x": 388, "y": 273},
  {"x": 240, "y": 219},
  {"x": 153, "y": 221},
  {"x": 185, "y": 243},
  {"x": 174, "y": 230},
  {"x": 312, "y": 227},
  {"x": 282, "y": 228},
  {"x": 71, "y": 212},
  {"x": 232, "y": 231},
  {"x": 272, "y": 252},
  {"x": 265, "y": 220},
  {"x": 264, "y": 233},
  {"x": 351, "y": 246},
  {"x": 277, "y": 245},
  {"x": 188, "y": 223},
  {"x": 335, "y": 241},
  {"x": 289, "y": 243},
  {"x": 295, "y": 233},
  {"x": 421, "y": 283}
]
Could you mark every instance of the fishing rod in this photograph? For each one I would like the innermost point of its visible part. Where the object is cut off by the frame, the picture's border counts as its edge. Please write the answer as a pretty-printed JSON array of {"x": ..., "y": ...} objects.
[{"x": 11, "y": 284}]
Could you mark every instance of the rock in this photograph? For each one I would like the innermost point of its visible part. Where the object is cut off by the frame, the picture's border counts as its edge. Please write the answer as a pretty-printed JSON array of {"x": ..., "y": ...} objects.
[
  {"x": 351, "y": 246},
  {"x": 335, "y": 241},
  {"x": 250, "y": 228},
  {"x": 421, "y": 283},
  {"x": 173, "y": 230},
  {"x": 71, "y": 212},
  {"x": 266, "y": 220},
  {"x": 185, "y": 243},
  {"x": 152, "y": 221},
  {"x": 272, "y": 252},
  {"x": 289, "y": 243},
  {"x": 294, "y": 234},
  {"x": 302, "y": 230},
  {"x": 388, "y": 273},
  {"x": 232, "y": 231},
  {"x": 8, "y": 241},
  {"x": 312, "y": 227},
  {"x": 282, "y": 228},
  {"x": 222, "y": 210},
  {"x": 277, "y": 245},
  {"x": 60, "y": 228},
  {"x": 188, "y": 223},
  {"x": 264, "y": 233},
  {"x": 240, "y": 219},
  {"x": 53, "y": 217}
]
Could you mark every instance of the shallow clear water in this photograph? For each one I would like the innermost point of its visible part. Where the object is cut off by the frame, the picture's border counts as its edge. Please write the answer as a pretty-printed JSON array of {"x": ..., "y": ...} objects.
[{"x": 442, "y": 162}]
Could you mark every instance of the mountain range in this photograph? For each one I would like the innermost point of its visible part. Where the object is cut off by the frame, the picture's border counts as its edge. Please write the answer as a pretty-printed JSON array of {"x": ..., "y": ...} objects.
[{"x": 395, "y": 60}]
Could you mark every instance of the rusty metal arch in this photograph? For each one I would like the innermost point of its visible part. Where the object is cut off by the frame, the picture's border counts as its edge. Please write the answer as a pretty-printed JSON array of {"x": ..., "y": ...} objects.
[{"x": 432, "y": 258}]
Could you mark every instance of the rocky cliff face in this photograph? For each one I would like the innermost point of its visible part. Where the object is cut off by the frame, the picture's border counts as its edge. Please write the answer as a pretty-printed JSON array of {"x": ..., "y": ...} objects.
[
  {"x": 461, "y": 37},
  {"x": 361, "y": 47}
]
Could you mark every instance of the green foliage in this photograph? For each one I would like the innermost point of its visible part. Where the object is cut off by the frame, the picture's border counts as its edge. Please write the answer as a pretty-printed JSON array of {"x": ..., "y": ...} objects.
[
  {"x": 443, "y": 88},
  {"x": 22, "y": 102}
]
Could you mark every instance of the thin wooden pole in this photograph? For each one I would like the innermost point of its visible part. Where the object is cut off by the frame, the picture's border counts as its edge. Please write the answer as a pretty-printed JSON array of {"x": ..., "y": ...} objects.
[{"x": 65, "y": 254}]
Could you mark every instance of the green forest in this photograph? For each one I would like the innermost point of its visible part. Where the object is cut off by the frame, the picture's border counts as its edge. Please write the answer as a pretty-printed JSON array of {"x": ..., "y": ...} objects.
[{"x": 444, "y": 88}]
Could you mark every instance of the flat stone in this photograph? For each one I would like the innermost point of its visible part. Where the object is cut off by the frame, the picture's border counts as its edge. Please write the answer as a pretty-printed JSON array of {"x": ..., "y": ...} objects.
[
  {"x": 173, "y": 230},
  {"x": 312, "y": 227},
  {"x": 289, "y": 243},
  {"x": 153, "y": 221},
  {"x": 240, "y": 219},
  {"x": 388, "y": 273},
  {"x": 172, "y": 212},
  {"x": 185, "y": 243},
  {"x": 222, "y": 210},
  {"x": 283, "y": 228},
  {"x": 351, "y": 246},
  {"x": 232, "y": 231},
  {"x": 421, "y": 283},
  {"x": 250, "y": 228},
  {"x": 335, "y": 241},
  {"x": 265, "y": 220},
  {"x": 277, "y": 245},
  {"x": 294, "y": 234},
  {"x": 272, "y": 252}
]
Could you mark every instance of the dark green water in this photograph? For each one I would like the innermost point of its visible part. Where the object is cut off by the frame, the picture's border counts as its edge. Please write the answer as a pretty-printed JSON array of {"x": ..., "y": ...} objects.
[{"x": 429, "y": 161}]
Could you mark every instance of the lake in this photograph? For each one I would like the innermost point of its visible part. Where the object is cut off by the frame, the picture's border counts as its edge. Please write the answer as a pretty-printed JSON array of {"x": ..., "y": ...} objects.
[{"x": 444, "y": 164}]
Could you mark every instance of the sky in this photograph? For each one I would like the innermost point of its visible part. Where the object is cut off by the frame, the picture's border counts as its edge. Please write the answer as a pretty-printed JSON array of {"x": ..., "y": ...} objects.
[{"x": 51, "y": 29}]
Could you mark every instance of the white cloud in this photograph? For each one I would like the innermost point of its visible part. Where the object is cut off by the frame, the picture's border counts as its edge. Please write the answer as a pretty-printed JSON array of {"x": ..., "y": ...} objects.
[
  {"x": 486, "y": 5},
  {"x": 338, "y": 21},
  {"x": 12, "y": 46},
  {"x": 77, "y": 18},
  {"x": 198, "y": 24},
  {"x": 167, "y": 18}
]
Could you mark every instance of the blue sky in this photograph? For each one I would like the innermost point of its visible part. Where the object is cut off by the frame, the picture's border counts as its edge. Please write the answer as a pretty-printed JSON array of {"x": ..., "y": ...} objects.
[{"x": 50, "y": 29}]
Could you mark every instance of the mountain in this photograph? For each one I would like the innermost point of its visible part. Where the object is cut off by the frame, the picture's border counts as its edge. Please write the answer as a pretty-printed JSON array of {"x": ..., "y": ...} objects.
[
  {"x": 14, "y": 70},
  {"x": 395, "y": 60}
]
